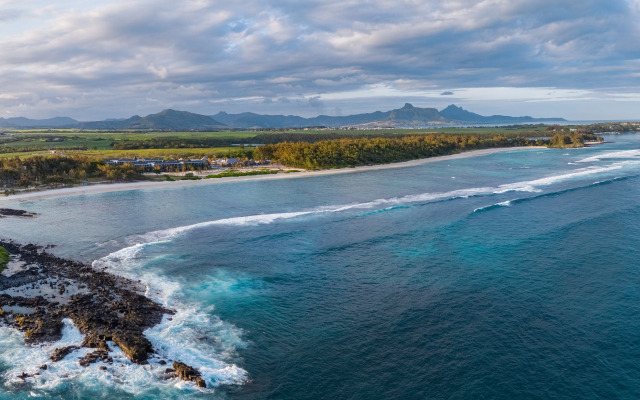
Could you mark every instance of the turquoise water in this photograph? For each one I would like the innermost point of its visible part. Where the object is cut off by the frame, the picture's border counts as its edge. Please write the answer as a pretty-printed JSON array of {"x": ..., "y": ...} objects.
[{"x": 511, "y": 275}]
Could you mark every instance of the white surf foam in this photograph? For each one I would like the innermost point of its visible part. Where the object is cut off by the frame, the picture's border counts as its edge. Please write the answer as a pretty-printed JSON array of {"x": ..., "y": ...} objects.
[
  {"x": 501, "y": 204},
  {"x": 28, "y": 358},
  {"x": 612, "y": 155},
  {"x": 198, "y": 337},
  {"x": 201, "y": 340},
  {"x": 534, "y": 186},
  {"x": 121, "y": 376},
  {"x": 165, "y": 235},
  {"x": 192, "y": 335}
]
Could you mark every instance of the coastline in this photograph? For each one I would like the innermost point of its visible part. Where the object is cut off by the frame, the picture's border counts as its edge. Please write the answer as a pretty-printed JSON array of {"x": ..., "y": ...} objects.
[{"x": 141, "y": 185}]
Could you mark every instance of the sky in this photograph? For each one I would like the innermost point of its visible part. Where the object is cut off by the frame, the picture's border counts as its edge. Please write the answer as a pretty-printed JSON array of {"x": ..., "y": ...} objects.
[{"x": 99, "y": 59}]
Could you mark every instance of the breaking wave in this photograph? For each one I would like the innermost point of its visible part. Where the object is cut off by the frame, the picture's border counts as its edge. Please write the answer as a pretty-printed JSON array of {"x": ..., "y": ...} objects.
[
  {"x": 509, "y": 203},
  {"x": 533, "y": 186},
  {"x": 612, "y": 155},
  {"x": 193, "y": 335}
]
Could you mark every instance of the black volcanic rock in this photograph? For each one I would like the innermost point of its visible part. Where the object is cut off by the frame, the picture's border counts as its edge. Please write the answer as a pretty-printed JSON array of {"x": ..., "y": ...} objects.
[
  {"x": 104, "y": 307},
  {"x": 60, "y": 353},
  {"x": 10, "y": 212},
  {"x": 187, "y": 373}
]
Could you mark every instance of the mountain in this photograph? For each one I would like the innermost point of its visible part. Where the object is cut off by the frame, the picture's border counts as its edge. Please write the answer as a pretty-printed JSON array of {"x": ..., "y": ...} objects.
[
  {"x": 252, "y": 120},
  {"x": 168, "y": 120},
  {"x": 415, "y": 116},
  {"x": 172, "y": 120},
  {"x": 459, "y": 115},
  {"x": 22, "y": 122},
  {"x": 405, "y": 117}
]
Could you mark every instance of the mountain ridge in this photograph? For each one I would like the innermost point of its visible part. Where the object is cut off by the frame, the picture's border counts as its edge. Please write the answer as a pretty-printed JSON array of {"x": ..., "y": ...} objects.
[
  {"x": 406, "y": 117},
  {"x": 171, "y": 120}
]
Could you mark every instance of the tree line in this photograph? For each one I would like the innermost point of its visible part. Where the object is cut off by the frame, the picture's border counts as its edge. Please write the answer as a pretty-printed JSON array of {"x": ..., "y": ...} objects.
[
  {"x": 41, "y": 170},
  {"x": 354, "y": 151},
  {"x": 348, "y": 152}
]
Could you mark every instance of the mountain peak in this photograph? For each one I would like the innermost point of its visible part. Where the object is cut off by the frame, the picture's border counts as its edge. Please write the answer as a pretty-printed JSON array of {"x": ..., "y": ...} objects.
[
  {"x": 170, "y": 111},
  {"x": 453, "y": 107},
  {"x": 407, "y": 106}
]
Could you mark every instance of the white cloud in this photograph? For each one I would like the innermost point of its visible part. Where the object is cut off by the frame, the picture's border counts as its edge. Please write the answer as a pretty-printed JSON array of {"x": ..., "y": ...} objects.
[
  {"x": 160, "y": 72},
  {"x": 112, "y": 55}
]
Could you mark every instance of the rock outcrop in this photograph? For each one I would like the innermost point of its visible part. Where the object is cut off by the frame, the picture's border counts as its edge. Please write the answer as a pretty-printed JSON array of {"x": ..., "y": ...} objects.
[
  {"x": 102, "y": 306},
  {"x": 106, "y": 308},
  {"x": 187, "y": 373}
]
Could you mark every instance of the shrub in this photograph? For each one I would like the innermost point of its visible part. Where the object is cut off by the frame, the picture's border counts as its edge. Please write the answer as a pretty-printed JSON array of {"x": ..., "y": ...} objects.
[{"x": 4, "y": 258}]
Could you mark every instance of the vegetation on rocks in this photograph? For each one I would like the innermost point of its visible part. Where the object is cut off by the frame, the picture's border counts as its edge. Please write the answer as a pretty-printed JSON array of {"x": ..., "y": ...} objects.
[{"x": 4, "y": 258}]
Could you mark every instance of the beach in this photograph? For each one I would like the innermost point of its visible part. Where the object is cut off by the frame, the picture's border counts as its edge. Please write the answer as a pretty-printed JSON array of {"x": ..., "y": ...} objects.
[{"x": 140, "y": 185}]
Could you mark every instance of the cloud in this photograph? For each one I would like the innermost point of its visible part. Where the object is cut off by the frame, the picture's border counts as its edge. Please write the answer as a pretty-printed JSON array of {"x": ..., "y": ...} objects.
[
  {"x": 447, "y": 93},
  {"x": 160, "y": 72},
  {"x": 315, "y": 102},
  {"x": 114, "y": 55}
]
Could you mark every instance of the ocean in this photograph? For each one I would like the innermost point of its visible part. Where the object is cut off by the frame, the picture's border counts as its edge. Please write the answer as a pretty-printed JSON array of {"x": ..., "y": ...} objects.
[{"x": 509, "y": 275}]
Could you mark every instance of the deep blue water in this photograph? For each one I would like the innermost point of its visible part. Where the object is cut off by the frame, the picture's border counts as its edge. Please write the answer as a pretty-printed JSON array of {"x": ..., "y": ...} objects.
[{"x": 511, "y": 275}]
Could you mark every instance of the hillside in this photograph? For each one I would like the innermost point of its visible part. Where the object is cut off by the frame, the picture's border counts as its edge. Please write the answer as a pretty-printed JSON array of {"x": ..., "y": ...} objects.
[
  {"x": 171, "y": 120},
  {"x": 165, "y": 120},
  {"x": 22, "y": 122},
  {"x": 405, "y": 117},
  {"x": 460, "y": 115}
]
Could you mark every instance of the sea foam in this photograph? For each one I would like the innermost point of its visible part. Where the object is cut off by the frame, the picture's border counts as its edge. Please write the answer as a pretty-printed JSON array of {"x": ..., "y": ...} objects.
[
  {"x": 193, "y": 335},
  {"x": 533, "y": 186},
  {"x": 612, "y": 155}
]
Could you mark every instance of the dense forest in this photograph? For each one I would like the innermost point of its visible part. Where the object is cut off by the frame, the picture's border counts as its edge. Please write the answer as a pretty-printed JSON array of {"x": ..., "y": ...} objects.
[{"x": 349, "y": 152}]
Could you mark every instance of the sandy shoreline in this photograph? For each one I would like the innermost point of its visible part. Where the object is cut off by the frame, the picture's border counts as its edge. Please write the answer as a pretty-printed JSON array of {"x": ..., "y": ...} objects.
[{"x": 141, "y": 185}]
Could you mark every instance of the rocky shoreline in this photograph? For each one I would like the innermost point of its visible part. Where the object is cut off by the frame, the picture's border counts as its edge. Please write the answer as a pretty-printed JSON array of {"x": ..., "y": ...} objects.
[
  {"x": 109, "y": 310},
  {"x": 10, "y": 212}
]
